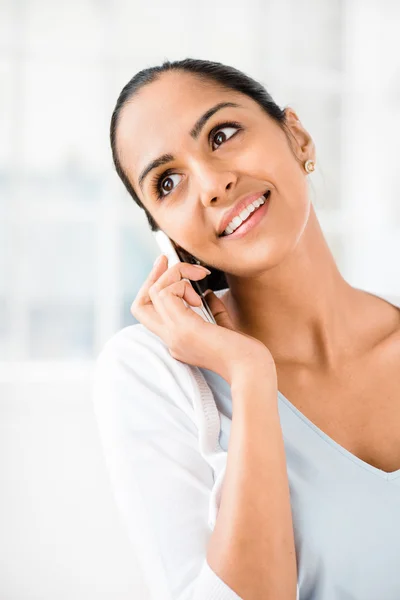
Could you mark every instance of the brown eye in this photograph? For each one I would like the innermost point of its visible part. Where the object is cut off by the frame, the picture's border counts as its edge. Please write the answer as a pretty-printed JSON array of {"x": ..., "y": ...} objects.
[
  {"x": 164, "y": 184},
  {"x": 220, "y": 138},
  {"x": 223, "y": 134},
  {"x": 167, "y": 185}
]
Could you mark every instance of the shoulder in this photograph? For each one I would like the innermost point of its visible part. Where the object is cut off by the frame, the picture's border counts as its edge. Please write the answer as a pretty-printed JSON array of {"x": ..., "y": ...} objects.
[
  {"x": 135, "y": 345},
  {"x": 136, "y": 361},
  {"x": 130, "y": 335}
]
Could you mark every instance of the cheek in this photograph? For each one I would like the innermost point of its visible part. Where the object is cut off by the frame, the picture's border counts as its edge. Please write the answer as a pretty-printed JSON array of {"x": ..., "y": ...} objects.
[
  {"x": 257, "y": 159},
  {"x": 269, "y": 160},
  {"x": 289, "y": 176},
  {"x": 185, "y": 228}
]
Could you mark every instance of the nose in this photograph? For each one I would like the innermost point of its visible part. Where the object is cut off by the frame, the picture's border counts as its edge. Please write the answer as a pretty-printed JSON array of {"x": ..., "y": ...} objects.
[{"x": 214, "y": 185}]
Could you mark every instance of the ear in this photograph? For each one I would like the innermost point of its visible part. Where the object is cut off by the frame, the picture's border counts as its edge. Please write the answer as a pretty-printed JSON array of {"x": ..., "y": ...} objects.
[{"x": 303, "y": 143}]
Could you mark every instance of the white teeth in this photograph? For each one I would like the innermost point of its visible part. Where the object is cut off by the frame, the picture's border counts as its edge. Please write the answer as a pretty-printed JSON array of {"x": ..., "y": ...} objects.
[{"x": 238, "y": 220}]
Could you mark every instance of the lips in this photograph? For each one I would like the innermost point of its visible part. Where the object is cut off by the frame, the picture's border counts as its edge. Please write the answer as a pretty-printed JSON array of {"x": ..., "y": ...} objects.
[{"x": 237, "y": 209}]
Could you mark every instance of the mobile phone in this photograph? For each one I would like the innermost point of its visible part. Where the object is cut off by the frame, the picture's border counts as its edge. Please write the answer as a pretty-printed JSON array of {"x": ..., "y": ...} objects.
[{"x": 175, "y": 255}]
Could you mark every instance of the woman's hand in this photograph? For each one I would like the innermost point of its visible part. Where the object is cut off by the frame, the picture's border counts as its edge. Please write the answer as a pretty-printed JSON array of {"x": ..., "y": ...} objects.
[{"x": 159, "y": 306}]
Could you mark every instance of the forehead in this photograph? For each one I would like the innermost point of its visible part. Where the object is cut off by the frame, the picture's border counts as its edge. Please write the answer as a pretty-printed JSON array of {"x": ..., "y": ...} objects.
[{"x": 160, "y": 116}]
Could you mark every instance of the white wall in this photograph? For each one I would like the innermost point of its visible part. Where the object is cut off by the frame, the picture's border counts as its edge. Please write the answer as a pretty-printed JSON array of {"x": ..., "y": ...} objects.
[{"x": 61, "y": 536}]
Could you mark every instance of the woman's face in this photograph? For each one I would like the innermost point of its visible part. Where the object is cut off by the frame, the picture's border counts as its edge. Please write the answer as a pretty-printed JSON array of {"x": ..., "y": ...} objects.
[{"x": 236, "y": 151}]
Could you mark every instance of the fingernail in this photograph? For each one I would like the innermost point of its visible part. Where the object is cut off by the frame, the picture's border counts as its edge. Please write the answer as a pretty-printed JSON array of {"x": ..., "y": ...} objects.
[
  {"x": 204, "y": 269},
  {"x": 158, "y": 260}
]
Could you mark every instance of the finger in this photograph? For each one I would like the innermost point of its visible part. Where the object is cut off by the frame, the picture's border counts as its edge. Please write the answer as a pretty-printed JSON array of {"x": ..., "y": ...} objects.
[
  {"x": 179, "y": 271},
  {"x": 174, "y": 282},
  {"x": 148, "y": 316},
  {"x": 168, "y": 303},
  {"x": 145, "y": 307},
  {"x": 160, "y": 265},
  {"x": 164, "y": 277},
  {"x": 142, "y": 299},
  {"x": 219, "y": 310}
]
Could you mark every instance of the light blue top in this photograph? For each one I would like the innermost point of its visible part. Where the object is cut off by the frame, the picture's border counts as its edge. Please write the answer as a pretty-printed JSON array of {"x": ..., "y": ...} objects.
[{"x": 346, "y": 513}]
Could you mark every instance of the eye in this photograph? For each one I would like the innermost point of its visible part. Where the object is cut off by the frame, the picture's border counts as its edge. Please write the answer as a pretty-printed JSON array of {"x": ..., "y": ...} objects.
[
  {"x": 162, "y": 185},
  {"x": 223, "y": 132}
]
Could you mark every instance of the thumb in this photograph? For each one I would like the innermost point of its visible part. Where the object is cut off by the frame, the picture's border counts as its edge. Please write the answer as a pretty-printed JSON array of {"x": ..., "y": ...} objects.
[{"x": 218, "y": 310}]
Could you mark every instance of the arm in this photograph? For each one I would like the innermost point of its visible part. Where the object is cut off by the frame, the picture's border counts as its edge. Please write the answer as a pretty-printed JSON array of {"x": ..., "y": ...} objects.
[
  {"x": 252, "y": 547},
  {"x": 162, "y": 485}
]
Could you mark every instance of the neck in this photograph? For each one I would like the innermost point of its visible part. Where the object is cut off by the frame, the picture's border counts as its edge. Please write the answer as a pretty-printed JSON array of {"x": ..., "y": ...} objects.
[{"x": 301, "y": 309}]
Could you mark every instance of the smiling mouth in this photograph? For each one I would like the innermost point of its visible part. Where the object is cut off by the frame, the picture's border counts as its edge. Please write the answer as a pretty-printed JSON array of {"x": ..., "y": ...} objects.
[{"x": 266, "y": 195}]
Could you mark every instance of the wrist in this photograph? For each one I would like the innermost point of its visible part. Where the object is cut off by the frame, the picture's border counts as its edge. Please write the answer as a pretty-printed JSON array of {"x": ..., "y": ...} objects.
[{"x": 255, "y": 372}]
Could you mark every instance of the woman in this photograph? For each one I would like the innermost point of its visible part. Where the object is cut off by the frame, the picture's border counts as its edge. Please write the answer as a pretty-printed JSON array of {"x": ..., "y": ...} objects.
[{"x": 306, "y": 502}]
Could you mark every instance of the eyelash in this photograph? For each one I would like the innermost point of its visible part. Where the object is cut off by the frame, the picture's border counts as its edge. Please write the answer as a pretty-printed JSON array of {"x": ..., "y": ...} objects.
[{"x": 158, "y": 179}]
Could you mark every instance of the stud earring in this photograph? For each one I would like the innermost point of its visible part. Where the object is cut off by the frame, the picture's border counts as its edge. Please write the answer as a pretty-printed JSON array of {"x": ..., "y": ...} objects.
[{"x": 309, "y": 166}]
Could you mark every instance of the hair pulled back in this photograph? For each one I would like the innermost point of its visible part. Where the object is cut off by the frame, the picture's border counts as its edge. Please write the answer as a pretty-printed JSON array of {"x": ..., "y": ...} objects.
[{"x": 207, "y": 71}]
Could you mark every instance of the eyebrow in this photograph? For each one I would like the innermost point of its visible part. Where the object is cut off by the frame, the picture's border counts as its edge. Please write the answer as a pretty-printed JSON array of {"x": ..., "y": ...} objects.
[{"x": 194, "y": 133}]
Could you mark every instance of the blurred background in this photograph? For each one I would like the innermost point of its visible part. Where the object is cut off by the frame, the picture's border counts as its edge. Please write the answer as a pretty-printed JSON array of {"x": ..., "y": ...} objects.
[{"x": 74, "y": 248}]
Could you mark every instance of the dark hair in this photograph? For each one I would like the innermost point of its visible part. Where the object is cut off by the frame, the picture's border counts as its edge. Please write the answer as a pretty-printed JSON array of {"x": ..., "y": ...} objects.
[{"x": 226, "y": 76}]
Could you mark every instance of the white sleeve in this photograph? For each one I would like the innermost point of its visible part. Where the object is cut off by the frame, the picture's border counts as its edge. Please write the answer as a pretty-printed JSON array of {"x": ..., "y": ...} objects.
[{"x": 161, "y": 482}]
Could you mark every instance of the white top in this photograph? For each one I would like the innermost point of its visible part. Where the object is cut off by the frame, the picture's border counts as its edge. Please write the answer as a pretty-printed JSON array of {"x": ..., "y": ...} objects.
[{"x": 164, "y": 426}]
